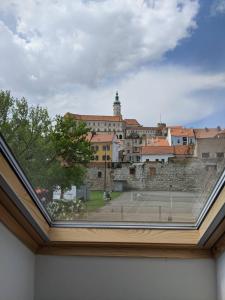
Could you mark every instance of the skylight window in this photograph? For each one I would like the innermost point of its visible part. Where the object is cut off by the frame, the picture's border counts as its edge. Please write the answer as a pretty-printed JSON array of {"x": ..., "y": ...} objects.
[
  {"x": 115, "y": 113},
  {"x": 85, "y": 178}
]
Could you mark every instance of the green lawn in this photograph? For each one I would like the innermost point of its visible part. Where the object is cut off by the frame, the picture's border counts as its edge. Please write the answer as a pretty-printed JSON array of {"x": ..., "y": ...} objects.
[{"x": 96, "y": 199}]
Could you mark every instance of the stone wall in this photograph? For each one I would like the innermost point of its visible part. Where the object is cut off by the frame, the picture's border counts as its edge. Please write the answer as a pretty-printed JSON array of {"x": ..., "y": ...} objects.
[{"x": 190, "y": 174}]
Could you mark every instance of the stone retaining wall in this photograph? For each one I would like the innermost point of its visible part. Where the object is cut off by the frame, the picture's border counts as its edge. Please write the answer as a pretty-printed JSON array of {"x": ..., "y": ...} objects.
[{"x": 190, "y": 174}]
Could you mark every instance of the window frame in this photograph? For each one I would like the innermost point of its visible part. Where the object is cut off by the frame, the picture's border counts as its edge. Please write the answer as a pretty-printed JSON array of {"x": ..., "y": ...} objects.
[{"x": 23, "y": 213}]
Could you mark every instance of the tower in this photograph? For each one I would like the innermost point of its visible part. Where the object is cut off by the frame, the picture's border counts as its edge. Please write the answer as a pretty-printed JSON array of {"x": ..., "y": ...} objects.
[{"x": 117, "y": 106}]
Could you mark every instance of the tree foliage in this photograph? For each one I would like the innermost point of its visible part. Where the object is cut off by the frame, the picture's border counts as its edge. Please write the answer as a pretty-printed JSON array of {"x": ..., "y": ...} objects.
[{"x": 51, "y": 152}]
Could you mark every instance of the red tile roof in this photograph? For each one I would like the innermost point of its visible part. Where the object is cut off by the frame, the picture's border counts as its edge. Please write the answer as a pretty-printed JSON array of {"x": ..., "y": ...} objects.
[
  {"x": 205, "y": 133},
  {"x": 221, "y": 134},
  {"x": 183, "y": 150},
  {"x": 131, "y": 122},
  {"x": 180, "y": 131},
  {"x": 101, "y": 138},
  {"x": 156, "y": 150},
  {"x": 158, "y": 141},
  {"x": 95, "y": 117},
  {"x": 176, "y": 150}
]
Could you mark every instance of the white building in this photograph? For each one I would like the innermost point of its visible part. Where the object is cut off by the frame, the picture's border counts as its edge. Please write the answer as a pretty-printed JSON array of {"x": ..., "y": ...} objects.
[
  {"x": 156, "y": 153},
  {"x": 180, "y": 136}
]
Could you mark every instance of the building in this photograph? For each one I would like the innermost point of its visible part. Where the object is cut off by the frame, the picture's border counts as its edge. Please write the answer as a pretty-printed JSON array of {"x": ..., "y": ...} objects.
[
  {"x": 117, "y": 106},
  {"x": 210, "y": 143},
  {"x": 131, "y": 123},
  {"x": 157, "y": 141},
  {"x": 106, "y": 147},
  {"x": 104, "y": 123},
  {"x": 142, "y": 131},
  {"x": 132, "y": 148},
  {"x": 156, "y": 153},
  {"x": 179, "y": 135}
]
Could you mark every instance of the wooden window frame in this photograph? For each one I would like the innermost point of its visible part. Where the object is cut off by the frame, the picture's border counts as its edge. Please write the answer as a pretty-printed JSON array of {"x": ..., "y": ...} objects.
[{"x": 25, "y": 218}]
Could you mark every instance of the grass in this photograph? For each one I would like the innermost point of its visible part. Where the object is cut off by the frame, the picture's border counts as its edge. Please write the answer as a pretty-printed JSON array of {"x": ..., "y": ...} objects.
[{"x": 96, "y": 199}]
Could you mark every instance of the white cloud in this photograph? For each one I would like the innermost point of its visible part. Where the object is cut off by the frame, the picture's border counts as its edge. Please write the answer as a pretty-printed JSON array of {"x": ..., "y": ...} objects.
[
  {"x": 218, "y": 7},
  {"x": 74, "y": 55},
  {"x": 181, "y": 95},
  {"x": 67, "y": 43}
]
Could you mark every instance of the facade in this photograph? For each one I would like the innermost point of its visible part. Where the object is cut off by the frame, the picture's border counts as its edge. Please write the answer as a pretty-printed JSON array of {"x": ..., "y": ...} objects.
[
  {"x": 141, "y": 131},
  {"x": 156, "y": 153},
  {"x": 210, "y": 143},
  {"x": 180, "y": 136},
  {"x": 132, "y": 148},
  {"x": 106, "y": 147},
  {"x": 103, "y": 124}
]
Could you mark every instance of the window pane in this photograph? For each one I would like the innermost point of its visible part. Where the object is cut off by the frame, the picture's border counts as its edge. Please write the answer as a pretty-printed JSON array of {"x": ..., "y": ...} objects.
[{"x": 151, "y": 152}]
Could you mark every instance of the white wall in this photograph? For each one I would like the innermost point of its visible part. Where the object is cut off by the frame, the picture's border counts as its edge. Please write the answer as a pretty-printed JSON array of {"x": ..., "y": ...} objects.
[
  {"x": 17, "y": 265},
  {"x": 221, "y": 277},
  {"x": 144, "y": 157},
  {"x": 90, "y": 278},
  {"x": 84, "y": 278}
]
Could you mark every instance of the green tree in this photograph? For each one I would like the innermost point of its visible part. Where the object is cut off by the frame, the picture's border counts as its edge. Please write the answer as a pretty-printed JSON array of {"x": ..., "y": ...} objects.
[{"x": 52, "y": 153}]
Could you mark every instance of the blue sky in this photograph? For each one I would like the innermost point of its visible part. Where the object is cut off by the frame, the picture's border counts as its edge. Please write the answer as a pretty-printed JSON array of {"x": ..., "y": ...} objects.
[
  {"x": 164, "y": 56},
  {"x": 205, "y": 50}
]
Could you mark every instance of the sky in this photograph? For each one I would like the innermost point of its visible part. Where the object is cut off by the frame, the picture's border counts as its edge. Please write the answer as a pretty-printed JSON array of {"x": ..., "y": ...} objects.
[{"x": 165, "y": 57}]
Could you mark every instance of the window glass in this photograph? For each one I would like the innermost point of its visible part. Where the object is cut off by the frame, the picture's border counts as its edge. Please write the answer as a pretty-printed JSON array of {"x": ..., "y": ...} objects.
[{"x": 147, "y": 76}]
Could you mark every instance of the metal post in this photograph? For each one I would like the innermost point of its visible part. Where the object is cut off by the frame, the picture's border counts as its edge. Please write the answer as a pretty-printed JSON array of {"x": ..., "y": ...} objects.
[{"x": 105, "y": 173}]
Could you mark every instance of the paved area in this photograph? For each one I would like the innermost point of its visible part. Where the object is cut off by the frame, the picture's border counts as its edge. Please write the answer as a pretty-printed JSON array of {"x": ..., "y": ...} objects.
[{"x": 146, "y": 206}]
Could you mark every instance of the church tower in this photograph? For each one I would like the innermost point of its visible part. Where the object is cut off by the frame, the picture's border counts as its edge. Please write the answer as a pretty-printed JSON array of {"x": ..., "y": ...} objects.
[{"x": 117, "y": 106}]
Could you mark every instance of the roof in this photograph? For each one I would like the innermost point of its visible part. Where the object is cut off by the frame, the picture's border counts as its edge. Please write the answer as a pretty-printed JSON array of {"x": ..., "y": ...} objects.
[
  {"x": 205, "y": 133},
  {"x": 176, "y": 150},
  {"x": 131, "y": 122},
  {"x": 183, "y": 150},
  {"x": 158, "y": 141},
  {"x": 180, "y": 131},
  {"x": 101, "y": 138},
  {"x": 156, "y": 150},
  {"x": 220, "y": 134},
  {"x": 96, "y": 117}
]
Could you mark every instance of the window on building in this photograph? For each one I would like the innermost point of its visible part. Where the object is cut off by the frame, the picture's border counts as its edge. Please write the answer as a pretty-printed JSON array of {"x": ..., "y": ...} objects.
[
  {"x": 220, "y": 154},
  {"x": 96, "y": 157},
  {"x": 99, "y": 174},
  {"x": 184, "y": 140},
  {"x": 108, "y": 157},
  {"x": 205, "y": 155},
  {"x": 132, "y": 171}
]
